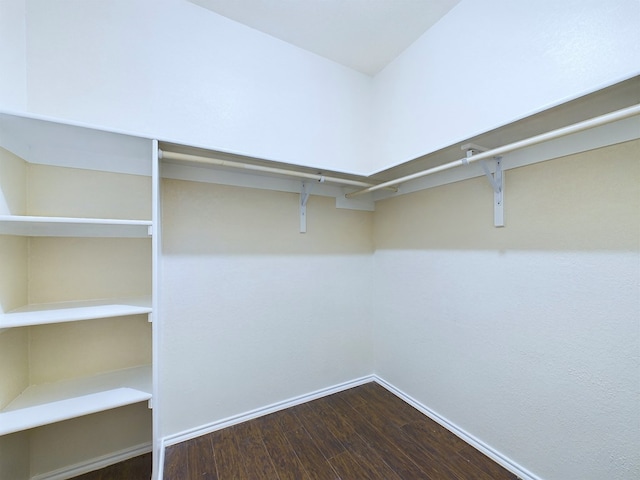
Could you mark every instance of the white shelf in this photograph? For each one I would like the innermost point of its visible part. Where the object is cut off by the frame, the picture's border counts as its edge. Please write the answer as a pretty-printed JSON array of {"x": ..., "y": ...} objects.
[
  {"x": 49, "y": 403},
  {"x": 45, "y": 313},
  {"x": 32, "y": 226}
]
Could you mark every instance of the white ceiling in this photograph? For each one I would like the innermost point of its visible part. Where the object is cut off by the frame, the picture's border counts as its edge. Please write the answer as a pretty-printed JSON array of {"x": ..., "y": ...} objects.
[{"x": 362, "y": 34}]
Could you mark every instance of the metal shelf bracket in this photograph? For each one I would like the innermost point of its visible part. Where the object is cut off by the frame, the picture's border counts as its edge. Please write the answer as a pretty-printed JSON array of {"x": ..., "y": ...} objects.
[
  {"x": 496, "y": 180},
  {"x": 497, "y": 183},
  {"x": 304, "y": 197}
]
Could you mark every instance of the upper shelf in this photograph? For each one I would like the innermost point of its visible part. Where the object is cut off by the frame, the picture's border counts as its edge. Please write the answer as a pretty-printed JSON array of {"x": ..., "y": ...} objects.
[
  {"x": 42, "y": 314},
  {"x": 51, "y": 141},
  {"x": 73, "y": 227}
]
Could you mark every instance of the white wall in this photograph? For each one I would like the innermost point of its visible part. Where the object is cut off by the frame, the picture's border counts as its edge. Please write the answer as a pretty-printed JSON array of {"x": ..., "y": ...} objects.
[
  {"x": 173, "y": 70},
  {"x": 526, "y": 337},
  {"x": 490, "y": 62},
  {"x": 253, "y": 312},
  {"x": 13, "y": 60},
  {"x": 179, "y": 72}
]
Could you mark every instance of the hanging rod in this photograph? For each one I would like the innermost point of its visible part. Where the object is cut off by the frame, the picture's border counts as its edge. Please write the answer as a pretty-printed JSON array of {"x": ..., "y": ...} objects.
[
  {"x": 561, "y": 132},
  {"x": 260, "y": 168}
]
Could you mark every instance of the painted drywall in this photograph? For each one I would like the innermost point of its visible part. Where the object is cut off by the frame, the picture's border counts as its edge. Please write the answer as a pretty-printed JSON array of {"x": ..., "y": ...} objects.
[
  {"x": 14, "y": 371},
  {"x": 14, "y": 365},
  {"x": 65, "y": 269},
  {"x": 13, "y": 250},
  {"x": 527, "y": 337},
  {"x": 13, "y": 184},
  {"x": 180, "y": 72},
  {"x": 490, "y": 62},
  {"x": 13, "y": 55},
  {"x": 55, "y": 191},
  {"x": 14, "y": 455},
  {"x": 121, "y": 428},
  {"x": 76, "y": 349},
  {"x": 253, "y": 312}
]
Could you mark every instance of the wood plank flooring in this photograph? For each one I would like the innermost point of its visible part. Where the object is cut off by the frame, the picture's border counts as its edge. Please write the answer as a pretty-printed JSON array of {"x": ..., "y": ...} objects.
[
  {"x": 362, "y": 433},
  {"x": 137, "y": 468}
]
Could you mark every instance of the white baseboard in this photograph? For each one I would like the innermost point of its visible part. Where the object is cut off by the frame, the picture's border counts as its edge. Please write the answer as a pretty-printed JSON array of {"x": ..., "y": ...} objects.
[
  {"x": 259, "y": 412},
  {"x": 475, "y": 442},
  {"x": 94, "y": 463}
]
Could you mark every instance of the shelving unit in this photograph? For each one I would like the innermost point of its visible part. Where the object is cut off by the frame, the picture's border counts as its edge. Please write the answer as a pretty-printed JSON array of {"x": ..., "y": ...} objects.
[{"x": 75, "y": 291}]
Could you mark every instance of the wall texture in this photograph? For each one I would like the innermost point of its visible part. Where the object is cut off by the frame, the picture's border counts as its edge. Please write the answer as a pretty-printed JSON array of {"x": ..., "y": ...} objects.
[
  {"x": 13, "y": 55},
  {"x": 175, "y": 71},
  {"x": 527, "y": 337},
  {"x": 253, "y": 311},
  {"x": 179, "y": 72},
  {"x": 490, "y": 62}
]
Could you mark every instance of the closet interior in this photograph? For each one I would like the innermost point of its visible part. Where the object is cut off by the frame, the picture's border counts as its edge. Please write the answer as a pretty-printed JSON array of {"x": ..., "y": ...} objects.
[{"x": 80, "y": 257}]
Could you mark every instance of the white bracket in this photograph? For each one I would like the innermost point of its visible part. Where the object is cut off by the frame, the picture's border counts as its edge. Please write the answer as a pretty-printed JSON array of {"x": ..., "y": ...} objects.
[
  {"x": 497, "y": 183},
  {"x": 495, "y": 179},
  {"x": 304, "y": 197}
]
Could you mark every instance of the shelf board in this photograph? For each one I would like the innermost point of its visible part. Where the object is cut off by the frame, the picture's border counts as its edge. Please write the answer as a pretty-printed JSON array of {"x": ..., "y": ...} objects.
[
  {"x": 41, "y": 405},
  {"x": 32, "y": 226},
  {"x": 42, "y": 314}
]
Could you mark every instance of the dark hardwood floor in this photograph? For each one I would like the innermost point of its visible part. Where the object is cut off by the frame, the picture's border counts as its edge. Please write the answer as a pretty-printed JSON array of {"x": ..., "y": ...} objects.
[
  {"x": 137, "y": 468},
  {"x": 362, "y": 433}
]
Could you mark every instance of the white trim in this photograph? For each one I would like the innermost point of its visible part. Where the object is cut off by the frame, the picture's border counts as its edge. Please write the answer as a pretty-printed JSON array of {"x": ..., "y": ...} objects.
[
  {"x": 259, "y": 412},
  {"x": 95, "y": 463},
  {"x": 472, "y": 440},
  {"x": 156, "y": 253}
]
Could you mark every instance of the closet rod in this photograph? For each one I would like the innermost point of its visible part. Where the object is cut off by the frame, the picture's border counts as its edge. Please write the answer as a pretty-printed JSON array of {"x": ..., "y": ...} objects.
[
  {"x": 260, "y": 168},
  {"x": 496, "y": 152}
]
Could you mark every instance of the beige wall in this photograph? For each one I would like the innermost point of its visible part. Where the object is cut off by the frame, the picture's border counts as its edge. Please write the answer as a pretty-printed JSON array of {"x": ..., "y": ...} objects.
[
  {"x": 13, "y": 184},
  {"x": 526, "y": 336},
  {"x": 14, "y": 363},
  {"x": 14, "y": 456},
  {"x": 74, "y": 192},
  {"x": 66, "y": 269},
  {"x": 580, "y": 202},
  {"x": 201, "y": 218},
  {"x": 253, "y": 311},
  {"x": 75, "y": 441},
  {"x": 13, "y": 250},
  {"x": 67, "y": 350}
]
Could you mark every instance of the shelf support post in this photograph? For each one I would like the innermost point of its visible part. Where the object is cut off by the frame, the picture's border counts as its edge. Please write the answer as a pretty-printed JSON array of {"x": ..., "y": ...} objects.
[{"x": 304, "y": 197}]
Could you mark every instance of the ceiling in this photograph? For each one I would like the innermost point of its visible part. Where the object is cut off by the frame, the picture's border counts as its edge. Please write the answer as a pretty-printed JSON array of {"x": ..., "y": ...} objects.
[{"x": 364, "y": 35}]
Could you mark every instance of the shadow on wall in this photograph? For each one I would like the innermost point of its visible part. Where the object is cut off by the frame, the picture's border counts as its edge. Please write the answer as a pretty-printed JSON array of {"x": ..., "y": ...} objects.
[
  {"x": 203, "y": 218},
  {"x": 586, "y": 201}
]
